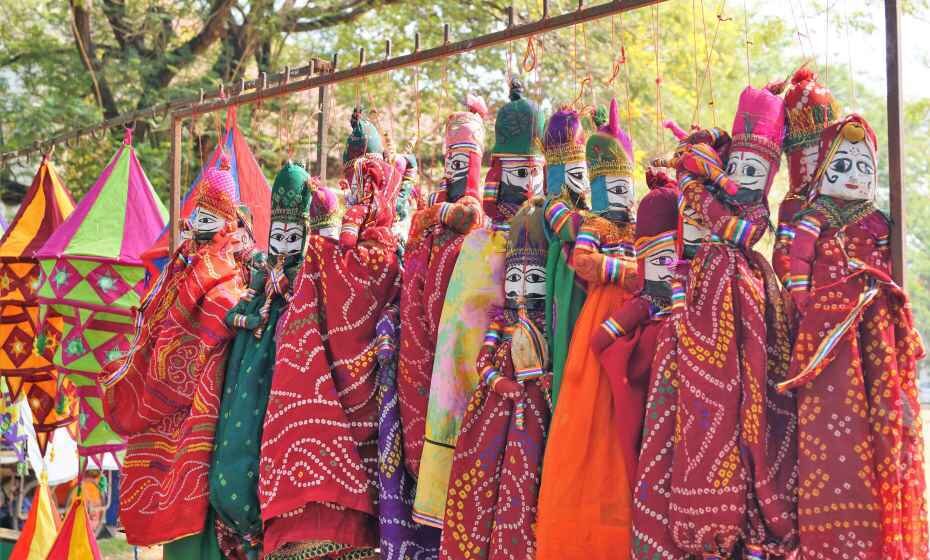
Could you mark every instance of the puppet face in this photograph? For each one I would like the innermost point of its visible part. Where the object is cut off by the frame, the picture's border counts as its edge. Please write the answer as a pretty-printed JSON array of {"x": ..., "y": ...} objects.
[
  {"x": 520, "y": 180},
  {"x": 751, "y": 172},
  {"x": 850, "y": 174},
  {"x": 658, "y": 266},
  {"x": 287, "y": 238},
  {"x": 692, "y": 232},
  {"x": 457, "y": 167},
  {"x": 576, "y": 179},
  {"x": 205, "y": 224},
  {"x": 619, "y": 195},
  {"x": 525, "y": 281}
]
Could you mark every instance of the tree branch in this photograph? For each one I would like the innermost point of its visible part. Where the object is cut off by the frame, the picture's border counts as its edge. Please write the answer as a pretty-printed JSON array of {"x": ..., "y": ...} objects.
[
  {"x": 88, "y": 53},
  {"x": 115, "y": 12},
  {"x": 346, "y": 13}
]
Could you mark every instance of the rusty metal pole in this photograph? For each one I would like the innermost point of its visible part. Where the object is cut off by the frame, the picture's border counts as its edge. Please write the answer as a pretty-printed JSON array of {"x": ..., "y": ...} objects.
[
  {"x": 175, "y": 199},
  {"x": 895, "y": 136},
  {"x": 321, "y": 124}
]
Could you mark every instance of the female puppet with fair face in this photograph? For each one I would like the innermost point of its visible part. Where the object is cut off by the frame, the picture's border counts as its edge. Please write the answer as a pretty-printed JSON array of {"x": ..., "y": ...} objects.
[{"x": 850, "y": 174}]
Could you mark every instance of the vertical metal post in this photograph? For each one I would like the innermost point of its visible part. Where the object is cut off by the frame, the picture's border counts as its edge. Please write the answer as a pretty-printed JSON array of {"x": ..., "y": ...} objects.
[
  {"x": 321, "y": 124},
  {"x": 175, "y": 203},
  {"x": 895, "y": 136}
]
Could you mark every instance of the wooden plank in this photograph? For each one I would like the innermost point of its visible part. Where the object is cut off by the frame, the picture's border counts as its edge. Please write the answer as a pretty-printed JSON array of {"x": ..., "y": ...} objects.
[{"x": 895, "y": 136}]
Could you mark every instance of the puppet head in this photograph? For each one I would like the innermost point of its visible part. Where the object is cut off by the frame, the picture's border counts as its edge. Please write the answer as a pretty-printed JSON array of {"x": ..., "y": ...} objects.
[
  {"x": 848, "y": 162},
  {"x": 656, "y": 230},
  {"x": 364, "y": 138},
  {"x": 216, "y": 203},
  {"x": 566, "y": 168},
  {"x": 525, "y": 261},
  {"x": 323, "y": 214},
  {"x": 407, "y": 201},
  {"x": 289, "y": 199},
  {"x": 464, "y": 145},
  {"x": 610, "y": 159},
  {"x": 755, "y": 152},
  {"x": 810, "y": 107},
  {"x": 517, "y": 166}
]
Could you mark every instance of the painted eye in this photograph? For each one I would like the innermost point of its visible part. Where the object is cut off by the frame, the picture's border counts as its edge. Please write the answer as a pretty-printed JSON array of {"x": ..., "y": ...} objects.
[
  {"x": 749, "y": 171},
  {"x": 522, "y": 172},
  {"x": 458, "y": 165},
  {"x": 277, "y": 236},
  {"x": 661, "y": 261},
  {"x": 513, "y": 277},
  {"x": 535, "y": 278},
  {"x": 864, "y": 167},
  {"x": 731, "y": 168},
  {"x": 293, "y": 238},
  {"x": 841, "y": 165}
]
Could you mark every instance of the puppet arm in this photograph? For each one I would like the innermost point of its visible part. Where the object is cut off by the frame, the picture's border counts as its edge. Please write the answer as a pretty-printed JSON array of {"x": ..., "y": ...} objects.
[
  {"x": 488, "y": 370},
  {"x": 564, "y": 220},
  {"x": 807, "y": 229},
  {"x": 621, "y": 322},
  {"x": 597, "y": 268},
  {"x": 351, "y": 224}
]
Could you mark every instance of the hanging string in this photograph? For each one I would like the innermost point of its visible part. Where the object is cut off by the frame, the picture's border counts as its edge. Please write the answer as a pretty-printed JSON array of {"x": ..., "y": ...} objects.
[
  {"x": 797, "y": 29},
  {"x": 416, "y": 105},
  {"x": 694, "y": 50},
  {"x": 748, "y": 43},
  {"x": 852, "y": 82},
  {"x": 826, "y": 45},
  {"x": 626, "y": 80},
  {"x": 587, "y": 59},
  {"x": 807, "y": 30},
  {"x": 530, "y": 59},
  {"x": 620, "y": 60},
  {"x": 509, "y": 61},
  {"x": 708, "y": 52},
  {"x": 660, "y": 144}
]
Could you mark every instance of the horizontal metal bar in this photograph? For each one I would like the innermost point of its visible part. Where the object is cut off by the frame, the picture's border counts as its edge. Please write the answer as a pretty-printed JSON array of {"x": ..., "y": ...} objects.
[{"x": 421, "y": 56}]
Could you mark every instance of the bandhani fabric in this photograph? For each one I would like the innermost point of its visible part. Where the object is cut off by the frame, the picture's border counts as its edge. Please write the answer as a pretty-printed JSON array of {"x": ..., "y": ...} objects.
[
  {"x": 164, "y": 394},
  {"x": 429, "y": 259},
  {"x": 568, "y": 192},
  {"x": 234, "y": 474},
  {"x": 93, "y": 278},
  {"x": 318, "y": 466},
  {"x": 494, "y": 482},
  {"x": 399, "y": 537},
  {"x": 476, "y": 285},
  {"x": 251, "y": 188},
  {"x": 76, "y": 540},
  {"x": 38, "y": 534},
  {"x": 854, "y": 368},
  {"x": 583, "y": 458},
  {"x": 29, "y": 371},
  {"x": 733, "y": 478}
]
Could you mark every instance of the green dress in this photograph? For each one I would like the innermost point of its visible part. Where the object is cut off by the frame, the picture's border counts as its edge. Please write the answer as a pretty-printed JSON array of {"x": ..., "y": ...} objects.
[
  {"x": 565, "y": 294},
  {"x": 234, "y": 474}
]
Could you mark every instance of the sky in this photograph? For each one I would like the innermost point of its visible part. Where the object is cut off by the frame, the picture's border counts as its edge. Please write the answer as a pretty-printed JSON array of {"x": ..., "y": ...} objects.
[{"x": 863, "y": 50}]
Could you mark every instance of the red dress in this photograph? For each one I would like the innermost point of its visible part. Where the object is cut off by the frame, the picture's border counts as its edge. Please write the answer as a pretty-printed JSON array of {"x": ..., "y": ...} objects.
[
  {"x": 319, "y": 457},
  {"x": 734, "y": 476},
  {"x": 429, "y": 259},
  {"x": 854, "y": 367},
  {"x": 494, "y": 484},
  {"x": 164, "y": 395}
]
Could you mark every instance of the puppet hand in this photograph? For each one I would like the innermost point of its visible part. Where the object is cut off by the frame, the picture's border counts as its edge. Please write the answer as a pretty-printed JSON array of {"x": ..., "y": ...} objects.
[
  {"x": 507, "y": 388},
  {"x": 601, "y": 339},
  {"x": 801, "y": 299}
]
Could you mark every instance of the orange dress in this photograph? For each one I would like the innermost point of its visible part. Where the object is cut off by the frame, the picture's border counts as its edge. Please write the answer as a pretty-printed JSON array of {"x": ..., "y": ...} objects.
[{"x": 585, "y": 507}]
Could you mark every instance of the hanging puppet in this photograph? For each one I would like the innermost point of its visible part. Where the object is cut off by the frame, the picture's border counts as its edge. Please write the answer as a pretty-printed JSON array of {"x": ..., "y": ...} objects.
[
  {"x": 515, "y": 175},
  {"x": 568, "y": 192},
  {"x": 733, "y": 474},
  {"x": 317, "y": 473},
  {"x": 408, "y": 202},
  {"x": 234, "y": 474},
  {"x": 584, "y": 436},
  {"x": 854, "y": 366},
  {"x": 434, "y": 245},
  {"x": 164, "y": 394},
  {"x": 498, "y": 457},
  {"x": 809, "y": 107},
  {"x": 400, "y": 538}
]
